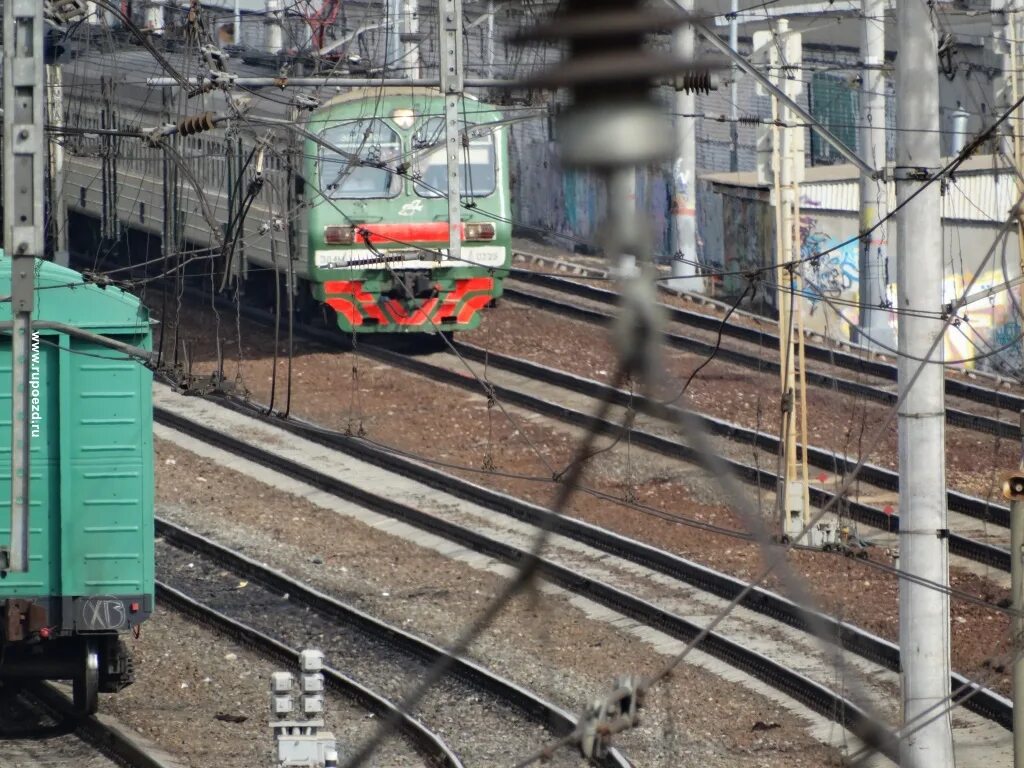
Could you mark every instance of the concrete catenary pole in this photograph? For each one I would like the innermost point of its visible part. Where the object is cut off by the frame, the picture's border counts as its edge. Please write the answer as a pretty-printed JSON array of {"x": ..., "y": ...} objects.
[
  {"x": 1001, "y": 37},
  {"x": 410, "y": 38},
  {"x": 684, "y": 172},
  {"x": 785, "y": 56},
  {"x": 394, "y": 48},
  {"x": 489, "y": 40},
  {"x": 734, "y": 90},
  {"x": 1013, "y": 489},
  {"x": 451, "y": 65},
  {"x": 24, "y": 158},
  {"x": 273, "y": 33},
  {"x": 874, "y": 247},
  {"x": 237, "y": 36},
  {"x": 58, "y": 206},
  {"x": 927, "y": 740},
  {"x": 154, "y": 17}
]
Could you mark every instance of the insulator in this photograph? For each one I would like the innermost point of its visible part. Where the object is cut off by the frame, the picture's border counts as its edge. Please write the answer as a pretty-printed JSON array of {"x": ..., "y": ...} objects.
[
  {"x": 189, "y": 126},
  {"x": 696, "y": 81},
  {"x": 614, "y": 121},
  {"x": 204, "y": 87}
]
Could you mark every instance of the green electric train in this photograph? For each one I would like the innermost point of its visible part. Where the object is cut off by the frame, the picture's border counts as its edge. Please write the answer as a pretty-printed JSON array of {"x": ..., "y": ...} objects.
[
  {"x": 363, "y": 192},
  {"x": 376, "y": 177}
]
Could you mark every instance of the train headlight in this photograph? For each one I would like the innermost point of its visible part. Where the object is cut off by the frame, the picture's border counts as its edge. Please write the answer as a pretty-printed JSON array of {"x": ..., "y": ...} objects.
[
  {"x": 335, "y": 235},
  {"x": 479, "y": 231},
  {"x": 404, "y": 118}
]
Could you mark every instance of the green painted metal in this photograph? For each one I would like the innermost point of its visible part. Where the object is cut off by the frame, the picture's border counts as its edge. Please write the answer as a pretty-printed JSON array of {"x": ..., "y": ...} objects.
[
  {"x": 494, "y": 208},
  {"x": 91, "y": 518}
]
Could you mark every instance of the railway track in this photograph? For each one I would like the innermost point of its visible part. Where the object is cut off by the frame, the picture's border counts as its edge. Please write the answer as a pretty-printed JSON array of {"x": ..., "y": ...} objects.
[
  {"x": 881, "y": 654},
  {"x": 515, "y": 289},
  {"x": 869, "y": 514},
  {"x": 873, "y": 515},
  {"x": 879, "y": 477},
  {"x": 277, "y": 604},
  {"x": 866, "y": 645},
  {"x": 39, "y": 727}
]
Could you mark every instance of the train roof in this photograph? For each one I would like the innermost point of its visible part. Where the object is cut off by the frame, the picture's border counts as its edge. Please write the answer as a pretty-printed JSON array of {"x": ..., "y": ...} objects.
[
  {"x": 387, "y": 99},
  {"x": 63, "y": 296},
  {"x": 129, "y": 66}
]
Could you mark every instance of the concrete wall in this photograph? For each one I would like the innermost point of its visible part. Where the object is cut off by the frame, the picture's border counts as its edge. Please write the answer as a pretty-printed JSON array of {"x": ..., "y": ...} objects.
[{"x": 969, "y": 250}]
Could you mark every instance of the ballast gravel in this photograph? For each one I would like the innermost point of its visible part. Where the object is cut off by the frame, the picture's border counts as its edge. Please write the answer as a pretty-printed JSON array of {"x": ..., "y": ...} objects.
[
  {"x": 206, "y": 700},
  {"x": 539, "y": 641}
]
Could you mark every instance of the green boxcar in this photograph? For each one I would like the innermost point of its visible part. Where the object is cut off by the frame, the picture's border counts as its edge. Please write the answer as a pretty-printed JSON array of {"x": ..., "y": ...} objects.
[
  {"x": 378, "y": 240},
  {"x": 90, "y": 575}
]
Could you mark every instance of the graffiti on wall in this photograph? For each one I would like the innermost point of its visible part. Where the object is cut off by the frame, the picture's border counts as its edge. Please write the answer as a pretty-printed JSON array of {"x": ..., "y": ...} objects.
[
  {"x": 989, "y": 326},
  {"x": 830, "y": 269}
]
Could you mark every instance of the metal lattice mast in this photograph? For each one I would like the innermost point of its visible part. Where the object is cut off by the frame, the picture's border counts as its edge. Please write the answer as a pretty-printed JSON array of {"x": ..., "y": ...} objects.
[
  {"x": 924, "y": 609},
  {"x": 449, "y": 26},
  {"x": 874, "y": 195},
  {"x": 784, "y": 52},
  {"x": 24, "y": 237}
]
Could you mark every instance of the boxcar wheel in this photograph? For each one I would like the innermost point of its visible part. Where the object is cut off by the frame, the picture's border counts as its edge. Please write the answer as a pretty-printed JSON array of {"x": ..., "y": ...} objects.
[{"x": 86, "y": 684}]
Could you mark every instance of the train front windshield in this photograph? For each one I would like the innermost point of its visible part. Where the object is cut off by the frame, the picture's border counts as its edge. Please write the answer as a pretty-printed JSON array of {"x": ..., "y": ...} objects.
[
  {"x": 478, "y": 174},
  {"x": 374, "y": 142}
]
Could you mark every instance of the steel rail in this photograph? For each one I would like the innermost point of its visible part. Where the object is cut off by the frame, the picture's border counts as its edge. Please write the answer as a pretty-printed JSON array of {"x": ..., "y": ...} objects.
[
  {"x": 986, "y": 703},
  {"x": 971, "y": 549},
  {"x": 973, "y": 506},
  {"x": 533, "y": 706},
  {"x": 427, "y": 743},
  {"x": 954, "y": 416},
  {"x": 808, "y": 692},
  {"x": 105, "y": 735}
]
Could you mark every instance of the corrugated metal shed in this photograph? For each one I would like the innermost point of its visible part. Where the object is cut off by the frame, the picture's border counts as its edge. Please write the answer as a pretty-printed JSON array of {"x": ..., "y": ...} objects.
[{"x": 983, "y": 190}]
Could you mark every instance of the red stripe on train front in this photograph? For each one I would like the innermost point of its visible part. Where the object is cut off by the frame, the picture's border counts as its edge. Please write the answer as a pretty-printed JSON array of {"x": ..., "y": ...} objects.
[
  {"x": 352, "y": 298},
  {"x": 350, "y": 307},
  {"x": 424, "y": 232}
]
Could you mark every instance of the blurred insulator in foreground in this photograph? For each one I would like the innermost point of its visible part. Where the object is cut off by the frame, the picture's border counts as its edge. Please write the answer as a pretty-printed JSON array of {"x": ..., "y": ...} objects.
[{"x": 614, "y": 121}]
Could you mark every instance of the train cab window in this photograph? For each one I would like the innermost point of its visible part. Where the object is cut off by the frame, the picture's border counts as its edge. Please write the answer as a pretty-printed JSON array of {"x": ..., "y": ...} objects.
[
  {"x": 372, "y": 141},
  {"x": 477, "y": 176}
]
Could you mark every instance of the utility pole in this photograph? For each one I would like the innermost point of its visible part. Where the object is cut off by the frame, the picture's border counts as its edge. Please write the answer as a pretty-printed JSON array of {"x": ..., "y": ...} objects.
[
  {"x": 449, "y": 29},
  {"x": 273, "y": 34},
  {"x": 923, "y": 605},
  {"x": 1013, "y": 489},
  {"x": 58, "y": 206},
  {"x": 874, "y": 193},
  {"x": 684, "y": 171},
  {"x": 24, "y": 99},
  {"x": 785, "y": 54},
  {"x": 238, "y": 24},
  {"x": 393, "y": 49},
  {"x": 1006, "y": 46},
  {"x": 155, "y": 17},
  {"x": 489, "y": 41},
  {"x": 410, "y": 38},
  {"x": 734, "y": 90},
  {"x": 1002, "y": 26}
]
